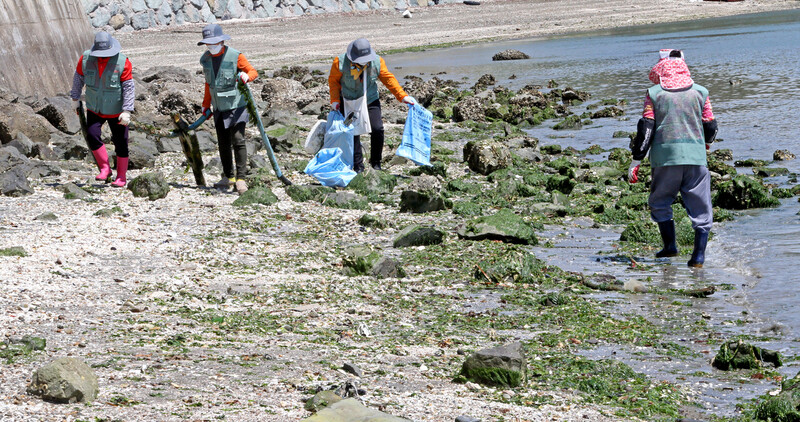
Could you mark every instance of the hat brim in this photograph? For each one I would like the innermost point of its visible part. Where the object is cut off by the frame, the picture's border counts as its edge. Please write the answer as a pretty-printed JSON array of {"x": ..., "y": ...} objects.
[
  {"x": 111, "y": 52},
  {"x": 215, "y": 40},
  {"x": 364, "y": 59}
]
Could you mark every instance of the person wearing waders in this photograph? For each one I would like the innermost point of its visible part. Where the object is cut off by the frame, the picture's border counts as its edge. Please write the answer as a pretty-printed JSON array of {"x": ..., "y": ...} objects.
[
  {"x": 346, "y": 82},
  {"x": 223, "y": 68},
  {"x": 677, "y": 127},
  {"x": 110, "y": 92}
]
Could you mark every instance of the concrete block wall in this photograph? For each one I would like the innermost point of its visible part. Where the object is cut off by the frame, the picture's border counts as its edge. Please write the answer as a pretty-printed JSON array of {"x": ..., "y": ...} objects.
[{"x": 133, "y": 15}]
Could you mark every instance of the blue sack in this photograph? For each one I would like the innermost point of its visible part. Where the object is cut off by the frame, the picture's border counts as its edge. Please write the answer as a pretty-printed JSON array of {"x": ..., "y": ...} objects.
[
  {"x": 329, "y": 168},
  {"x": 416, "y": 145},
  {"x": 337, "y": 135}
]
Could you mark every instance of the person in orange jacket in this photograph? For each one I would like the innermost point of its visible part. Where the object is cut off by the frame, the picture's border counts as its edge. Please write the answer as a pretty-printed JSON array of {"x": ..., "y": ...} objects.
[
  {"x": 223, "y": 68},
  {"x": 110, "y": 92},
  {"x": 346, "y": 82}
]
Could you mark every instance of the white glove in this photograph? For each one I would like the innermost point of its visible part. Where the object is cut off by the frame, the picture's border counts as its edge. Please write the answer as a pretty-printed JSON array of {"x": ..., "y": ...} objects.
[
  {"x": 244, "y": 77},
  {"x": 335, "y": 106},
  {"x": 633, "y": 171},
  {"x": 409, "y": 100},
  {"x": 125, "y": 118}
]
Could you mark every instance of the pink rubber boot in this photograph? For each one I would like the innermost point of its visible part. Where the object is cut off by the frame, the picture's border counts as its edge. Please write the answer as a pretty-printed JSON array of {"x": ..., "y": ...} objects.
[
  {"x": 122, "y": 168},
  {"x": 101, "y": 157}
]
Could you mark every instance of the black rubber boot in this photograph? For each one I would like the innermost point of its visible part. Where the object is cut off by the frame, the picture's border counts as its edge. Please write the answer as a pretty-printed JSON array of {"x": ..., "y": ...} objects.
[
  {"x": 699, "y": 252},
  {"x": 667, "y": 229}
]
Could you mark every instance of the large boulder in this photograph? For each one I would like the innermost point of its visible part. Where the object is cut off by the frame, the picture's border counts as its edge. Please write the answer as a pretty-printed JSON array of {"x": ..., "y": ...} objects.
[
  {"x": 59, "y": 112},
  {"x": 149, "y": 185},
  {"x": 486, "y": 156},
  {"x": 510, "y": 55},
  {"x": 504, "y": 225},
  {"x": 142, "y": 152},
  {"x": 65, "y": 380},
  {"x": 16, "y": 117},
  {"x": 502, "y": 366},
  {"x": 23, "y": 144},
  {"x": 738, "y": 355},
  {"x": 168, "y": 74}
]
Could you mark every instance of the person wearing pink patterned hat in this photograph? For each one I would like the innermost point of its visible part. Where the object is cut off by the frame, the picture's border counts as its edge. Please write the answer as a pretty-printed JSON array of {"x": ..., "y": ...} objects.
[{"x": 677, "y": 127}]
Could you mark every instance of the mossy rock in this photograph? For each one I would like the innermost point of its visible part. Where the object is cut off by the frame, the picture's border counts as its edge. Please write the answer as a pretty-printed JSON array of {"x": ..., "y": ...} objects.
[
  {"x": 421, "y": 201},
  {"x": 256, "y": 196},
  {"x": 781, "y": 193},
  {"x": 750, "y": 162},
  {"x": 778, "y": 409},
  {"x": 369, "y": 220},
  {"x": 512, "y": 266},
  {"x": 13, "y": 251},
  {"x": 717, "y": 165},
  {"x": 770, "y": 171},
  {"x": 437, "y": 169},
  {"x": 551, "y": 149},
  {"x": 358, "y": 260},
  {"x": 322, "y": 400},
  {"x": 108, "y": 212},
  {"x": 345, "y": 200},
  {"x": 620, "y": 155},
  {"x": 300, "y": 193},
  {"x": 563, "y": 164},
  {"x": 570, "y": 122},
  {"x": 462, "y": 186},
  {"x": 504, "y": 225},
  {"x": 637, "y": 201},
  {"x": 503, "y": 366},
  {"x": 743, "y": 192},
  {"x": 737, "y": 355},
  {"x": 416, "y": 235},
  {"x": 563, "y": 184},
  {"x": 623, "y": 134},
  {"x": 73, "y": 191},
  {"x": 372, "y": 182},
  {"x": 152, "y": 186},
  {"x": 467, "y": 209}
]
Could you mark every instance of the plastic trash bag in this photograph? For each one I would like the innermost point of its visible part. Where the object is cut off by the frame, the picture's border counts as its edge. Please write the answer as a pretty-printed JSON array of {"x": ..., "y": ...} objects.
[
  {"x": 315, "y": 138},
  {"x": 337, "y": 135},
  {"x": 416, "y": 145},
  {"x": 329, "y": 168}
]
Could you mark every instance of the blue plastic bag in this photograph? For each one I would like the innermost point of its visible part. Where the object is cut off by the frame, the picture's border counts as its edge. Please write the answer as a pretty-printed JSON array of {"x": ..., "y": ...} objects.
[
  {"x": 329, "y": 168},
  {"x": 416, "y": 145},
  {"x": 337, "y": 135}
]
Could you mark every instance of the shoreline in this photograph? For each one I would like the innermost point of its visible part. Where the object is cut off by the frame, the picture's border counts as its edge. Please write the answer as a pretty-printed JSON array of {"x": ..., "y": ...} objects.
[{"x": 273, "y": 43}]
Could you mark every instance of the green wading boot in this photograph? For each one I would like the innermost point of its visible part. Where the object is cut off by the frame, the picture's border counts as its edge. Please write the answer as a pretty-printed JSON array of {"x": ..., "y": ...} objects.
[
  {"x": 667, "y": 229},
  {"x": 699, "y": 252}
]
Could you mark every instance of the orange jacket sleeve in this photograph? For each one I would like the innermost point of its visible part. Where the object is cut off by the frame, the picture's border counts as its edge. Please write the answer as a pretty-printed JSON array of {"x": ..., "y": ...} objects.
[
  {"x": 246, "y": 67},
  {"x": 390, "y": 82},
  {"x": 335, "y": 81},
  {"x": 207, "y": 97}
]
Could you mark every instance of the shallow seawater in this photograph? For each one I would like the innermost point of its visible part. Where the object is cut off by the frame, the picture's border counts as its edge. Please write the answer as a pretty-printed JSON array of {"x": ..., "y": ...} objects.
[{"x": 750, "y": 66}]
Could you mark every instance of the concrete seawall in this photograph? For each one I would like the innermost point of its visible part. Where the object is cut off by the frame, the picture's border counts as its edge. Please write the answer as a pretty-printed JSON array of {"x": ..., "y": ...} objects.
[
  {"x": 40, "y": 42},
  {"x": 132, "y": 15}
]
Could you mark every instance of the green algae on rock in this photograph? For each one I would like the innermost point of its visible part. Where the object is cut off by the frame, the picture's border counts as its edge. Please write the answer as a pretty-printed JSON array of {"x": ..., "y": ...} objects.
[
  {"x": 504, "y": 225},
  {"x": 254, "y": 196},
  {"x": 153, "y": 186},
  {"x": 738, "y": 355},
  {"x": 743, "y": 192},
  {"x": 501, "y": 366}
]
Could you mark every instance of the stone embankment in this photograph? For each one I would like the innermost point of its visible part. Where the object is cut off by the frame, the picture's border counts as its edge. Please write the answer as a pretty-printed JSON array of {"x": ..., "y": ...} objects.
[{"x": 132, "y": 15}]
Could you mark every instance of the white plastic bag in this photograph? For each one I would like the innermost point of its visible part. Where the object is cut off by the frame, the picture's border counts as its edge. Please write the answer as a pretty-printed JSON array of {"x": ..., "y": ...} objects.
[
  {"x": 360, "y": 110},
  {"x": 315, "y": 137}
]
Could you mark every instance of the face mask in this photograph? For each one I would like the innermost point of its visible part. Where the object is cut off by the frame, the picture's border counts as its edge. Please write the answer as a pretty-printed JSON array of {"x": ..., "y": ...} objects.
[{"x": 214, "y": 48}]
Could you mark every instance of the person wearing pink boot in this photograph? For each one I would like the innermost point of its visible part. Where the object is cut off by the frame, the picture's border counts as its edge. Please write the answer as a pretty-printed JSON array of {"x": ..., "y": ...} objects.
[{"x": 110, "y": 91}]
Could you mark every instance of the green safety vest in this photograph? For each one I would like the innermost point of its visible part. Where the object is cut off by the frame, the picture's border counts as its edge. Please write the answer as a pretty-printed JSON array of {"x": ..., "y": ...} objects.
[
  {"x": 678, "y": 138},
  {"x": 103, "y": 92},
  {"x": 225, "y": 93},
  {"x": 353, "y": 88}
]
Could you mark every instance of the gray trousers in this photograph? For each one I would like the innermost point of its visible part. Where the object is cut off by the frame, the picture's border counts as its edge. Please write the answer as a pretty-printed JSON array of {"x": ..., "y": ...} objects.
[{"x": 694, "y": 184}]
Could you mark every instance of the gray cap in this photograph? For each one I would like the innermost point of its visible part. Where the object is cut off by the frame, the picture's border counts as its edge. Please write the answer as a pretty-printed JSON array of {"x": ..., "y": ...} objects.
[
  {"x": 105, "y": 45},
  {"x": 359, "y": 51},
  {"x": 212, "y": 34}
]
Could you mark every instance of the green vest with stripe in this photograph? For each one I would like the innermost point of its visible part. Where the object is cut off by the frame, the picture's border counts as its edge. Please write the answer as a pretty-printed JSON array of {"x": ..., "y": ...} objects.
[
  {"x": 353, "y": 88},
  {"x": 103, "y": 92},
  {"x": 678, "y": 138},
  {"x": 224, "y": 89}
]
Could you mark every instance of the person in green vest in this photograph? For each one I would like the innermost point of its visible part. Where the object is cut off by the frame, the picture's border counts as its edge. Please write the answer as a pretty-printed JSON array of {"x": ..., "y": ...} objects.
[
  {"x": 677, "y": 127},
  {"x": 110, "y": 92},
  {"x": 346, "y": 82},
  {"x": 223, "y": 68}
]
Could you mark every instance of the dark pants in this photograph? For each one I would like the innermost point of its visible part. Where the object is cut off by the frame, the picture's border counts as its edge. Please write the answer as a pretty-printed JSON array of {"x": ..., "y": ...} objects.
[
  {"x": 694, "y": 184},
  {"x": 232, "y": 142},
  {"x": 375, "y": 141},
  {"x": 119, "y": 133}
]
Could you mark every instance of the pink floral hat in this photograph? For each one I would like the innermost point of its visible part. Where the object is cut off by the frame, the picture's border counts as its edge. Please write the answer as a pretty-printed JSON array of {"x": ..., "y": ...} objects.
[{"x": 673, "y": 74}]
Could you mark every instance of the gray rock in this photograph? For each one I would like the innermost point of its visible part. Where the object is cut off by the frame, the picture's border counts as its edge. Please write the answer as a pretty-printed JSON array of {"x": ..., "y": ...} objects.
[
  {"x": 70, "y": 147},
  {"x": 469, "y": 108},
  {"x": 510, "y": 55},
  {"x": 504, "y": 225},
  {"x": 59, "y": 112},
  {"x": 352, "y": 369},
  {"x": 177, "y": 5},
  {"x": 421, "y": 201},
  {"x": 258, "y": 162},
  {"x": 502, "y": 366},
  {"x": 345, "y": 200},
  {"x": 322, "y": 400},
  {"x": 150, "y": 185},
  {"x": 73, "y": 191},
  {"x": 386, "y": 267},
  {"x": 467, "y": 419},
  {"x": 154, "y": 4},
  {"x": 256, "y": 195},
  {"x": 486, "y": 156},
  {"x": 168, "y": 74},
  {"x": 166, "y": 144},
  {"x": 368, "y": 220},
  {"x": 65, "y": 380},
  {"x": 164, "y": 14},
  {"x": 371, "y": 182},
  {"x": 100, "y": 18},
  {"x": 198, "y": 4},
  {"x": 17, "y": 117},
  {"x": 138, "y": 5},
  {"x": 416, "y": 235},
  {"x": 352, "y": 410},
  {"x": 783, "y": 155},
  {"x": 15, "y": 183},
  {"x": 206, "y": 141},
  {"x": 235, "y": 9},
  {"x": 11, "y": 158},
  {"x": 142, "y": 152},
  {"x": 140, "y": 21},
  {"x": 22, "y": 144},
  {"x": 90, "y": 5},
  {"x": 37, "y": 169},
  {"x": 359, "y": 260},
  {"x": 46, "y": 216}
]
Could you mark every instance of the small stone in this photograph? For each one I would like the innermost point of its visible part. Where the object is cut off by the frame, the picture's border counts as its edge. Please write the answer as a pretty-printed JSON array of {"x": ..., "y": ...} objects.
[
  {"x": 150, "y": 185},
  {"x": 510, "y": 55},
  {"x": 352, "y": 369},
  {"x": 467, "y": 419},
  {"x": 46, "y": 216}
]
